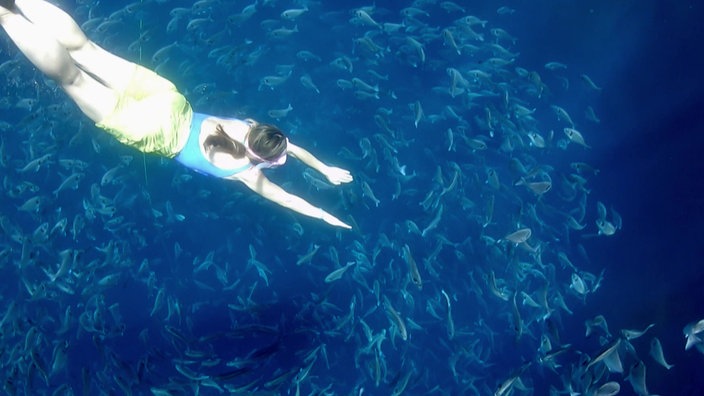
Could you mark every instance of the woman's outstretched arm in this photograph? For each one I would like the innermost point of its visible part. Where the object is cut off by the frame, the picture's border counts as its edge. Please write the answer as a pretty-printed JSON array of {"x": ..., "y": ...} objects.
[
  {"x": 255, "y": 180},
  {"x": 334, "y": 174}
]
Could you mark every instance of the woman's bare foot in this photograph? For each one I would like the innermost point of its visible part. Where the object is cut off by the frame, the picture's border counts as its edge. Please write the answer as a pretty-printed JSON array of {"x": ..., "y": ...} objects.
[{"x": 7, "y": 6}]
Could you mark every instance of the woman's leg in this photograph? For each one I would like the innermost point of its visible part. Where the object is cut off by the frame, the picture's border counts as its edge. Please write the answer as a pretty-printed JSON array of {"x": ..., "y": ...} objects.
[
  {"x": 51, "y": 58},
  {"x": 112, "y": 70}
]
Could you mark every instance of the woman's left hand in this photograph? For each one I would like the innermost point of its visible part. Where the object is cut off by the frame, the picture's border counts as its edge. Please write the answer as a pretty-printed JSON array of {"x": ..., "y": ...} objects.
[{"x": 337, "y": 176}]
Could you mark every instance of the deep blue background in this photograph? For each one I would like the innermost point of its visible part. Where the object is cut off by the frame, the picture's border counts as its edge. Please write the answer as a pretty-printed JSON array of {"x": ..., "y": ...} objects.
[{"x": 653, "y": 151}]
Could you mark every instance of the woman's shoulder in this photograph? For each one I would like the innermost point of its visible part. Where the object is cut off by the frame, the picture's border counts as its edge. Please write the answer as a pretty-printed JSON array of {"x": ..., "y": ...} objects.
[
  {"x": 227, "y": 161},
  {"x": 235, "y": 128}
]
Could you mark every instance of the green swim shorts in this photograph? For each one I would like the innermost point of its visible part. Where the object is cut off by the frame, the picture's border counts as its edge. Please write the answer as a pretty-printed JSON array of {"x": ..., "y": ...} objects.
[{"x": 150, "y": 115}]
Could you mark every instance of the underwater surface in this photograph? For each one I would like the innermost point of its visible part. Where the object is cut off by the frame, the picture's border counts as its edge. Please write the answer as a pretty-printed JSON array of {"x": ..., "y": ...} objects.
[{"x": 526, "y": 205}]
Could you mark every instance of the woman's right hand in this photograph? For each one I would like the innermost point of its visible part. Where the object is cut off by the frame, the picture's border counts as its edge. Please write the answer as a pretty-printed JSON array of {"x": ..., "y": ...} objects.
[{"x": 337, "y": 175}]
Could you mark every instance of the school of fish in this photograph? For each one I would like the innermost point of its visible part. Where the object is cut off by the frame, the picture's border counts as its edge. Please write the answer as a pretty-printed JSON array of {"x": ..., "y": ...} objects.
[{"x": 472, "y": 215}]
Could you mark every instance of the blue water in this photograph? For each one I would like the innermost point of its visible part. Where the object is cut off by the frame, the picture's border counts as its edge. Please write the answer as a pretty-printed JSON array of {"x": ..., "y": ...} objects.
[{"x": 138, "y": 311}]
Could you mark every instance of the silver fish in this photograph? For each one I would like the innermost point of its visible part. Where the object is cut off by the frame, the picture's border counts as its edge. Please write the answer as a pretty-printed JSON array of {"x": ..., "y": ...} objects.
[
  {"x": 610, "y": 357},
  {"x": 337, "y": 274},
  {"x": 367, "y": 190},
  {"x": 396, "y": 319},
  {"x": 576, "y": 137},
  {"x": 32, "y": 205},
  {"x": 282, "y": 33},
  {"x": 657, "y": 354},
  {"x": 562, "y": 115},
  {"x": 434, "y": 222},
  {"x": 417, "y": 112},
  {"x": 598, "y": 322},
  {"x": 450, "y": 322},
  {"x": 519, "y": 236},
  {"x": 366, "y": 19},
  {"x": 280, "y": 113},
  {"x": 306, "y": 258},
  {"x": 272, "y": 81},
  {"x": 633, "y": 334},
  {"x": 507, "y": 385},
  {"x": 636, "y": 377},
  {"x": 70, "y": 183},
  {"x": 35, "y": 164},
  {"x": 307, "y": 81},
  {"x": 413, "y": 272},
  {"x": 691, "y": 333},
  {"x": 608, "y": 389},
  {"x": 588, "y": 82},
  {"x": 577, "y": 284},
  {"x": 293, "y": 13}
]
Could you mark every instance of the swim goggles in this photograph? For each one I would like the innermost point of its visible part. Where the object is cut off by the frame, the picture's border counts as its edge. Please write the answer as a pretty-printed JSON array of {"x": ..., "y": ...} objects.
[{"x": 264, "y": 163}]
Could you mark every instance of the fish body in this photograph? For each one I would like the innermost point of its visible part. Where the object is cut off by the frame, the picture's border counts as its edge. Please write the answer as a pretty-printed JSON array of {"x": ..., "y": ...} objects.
[
  {"x": 538, "y": 187},
  {"x": 633, "y": 334},
  {"x": 562, "y": 115},
  {"x": 519, "y": 236},
  {"x": 536, "y": 140},
  {"x": 577, "y": 284},
  {"x": 449, "y": 40},
  {"x": 417, "y": 113},
  {"x": 598, "y": 322},
  {"x": 282, "y": 33},
  {"x": 32, "y": 205},
  {"x": 366, "y": 19},
  {"x": 412, "y": 267},
  {"x": 610, "y": 388},
  {"x": 307, "y": 81},
  {"x": 35, "y": 164},
  {"x": 589, "y": 83},
  {"x": 610, "y": 357},
  {"x": 507, "y": 385},
  {"x": 278, "y": 114},
  {"x": 492, "y": 179},
  {"x": 337, "y": 274},
  {"x": 657, "y": 354},
  {"x": 306, "y": 258},
  {"x": 69, "y": 183},
  {"x": 636, "y": 377},
  {"x": 307, "y": 56},
  {"x": 692, "y": 334},
  {"x": 605, "y": 227},
  {"x": 517, "y": 321},
  {"x": 396, "y": 319},
  {"x": 272, "y": 81},
  {"x": 367, "y": 190},
  {"x": 293, "y": 13},
  {"x": 555, "y": 66},
  {"x": 110, "y": 176},
  {"x": 576, "y": 137}
]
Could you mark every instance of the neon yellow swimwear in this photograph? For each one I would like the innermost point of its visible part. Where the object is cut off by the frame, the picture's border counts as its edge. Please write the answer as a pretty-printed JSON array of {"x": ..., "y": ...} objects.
[{"x": 150, "y": 115}]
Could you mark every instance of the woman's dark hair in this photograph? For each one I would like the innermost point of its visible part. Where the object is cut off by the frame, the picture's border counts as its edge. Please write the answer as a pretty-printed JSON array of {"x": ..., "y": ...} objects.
[
  {"x": 219, "y": 142},
  {"x": 266, "y": 141}
]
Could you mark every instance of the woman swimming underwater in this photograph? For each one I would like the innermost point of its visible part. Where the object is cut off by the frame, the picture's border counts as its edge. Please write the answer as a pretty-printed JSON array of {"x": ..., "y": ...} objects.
[{"x": 146, "y": 111}]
